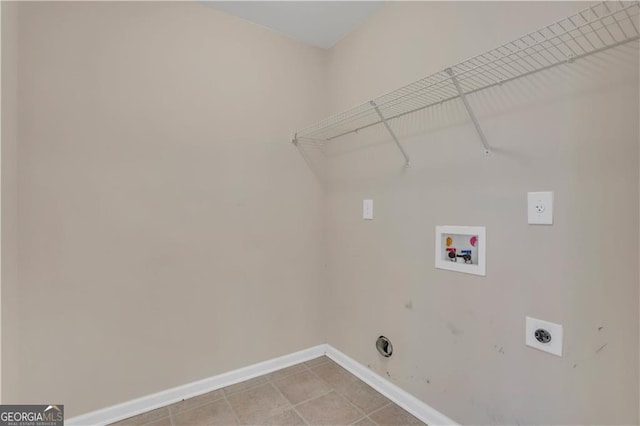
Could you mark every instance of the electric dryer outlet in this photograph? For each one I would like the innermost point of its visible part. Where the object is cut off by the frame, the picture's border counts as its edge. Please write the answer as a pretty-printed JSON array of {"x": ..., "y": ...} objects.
[{"x": 544, "y": 335}]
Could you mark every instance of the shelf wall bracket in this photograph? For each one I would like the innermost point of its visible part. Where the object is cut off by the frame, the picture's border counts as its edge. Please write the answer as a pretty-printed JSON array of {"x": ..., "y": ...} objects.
[
  {"x": 393, "y": 135},
  {"x": 472, "y": 115}
]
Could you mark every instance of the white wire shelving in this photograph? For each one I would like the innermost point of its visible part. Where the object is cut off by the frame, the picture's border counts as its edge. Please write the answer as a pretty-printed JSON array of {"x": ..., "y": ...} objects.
[{"x": 594, "y": 29}]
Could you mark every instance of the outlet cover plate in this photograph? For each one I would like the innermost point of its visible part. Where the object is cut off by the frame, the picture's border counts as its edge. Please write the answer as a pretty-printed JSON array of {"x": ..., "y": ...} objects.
[
  {"x": 367, "y": 209},
  {"x": 554, "y": 346},
  {"x": 540, "y": 208}
]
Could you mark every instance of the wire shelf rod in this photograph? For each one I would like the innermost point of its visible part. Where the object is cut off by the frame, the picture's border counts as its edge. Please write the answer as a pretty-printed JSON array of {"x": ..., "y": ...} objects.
[
  {"x": 393, "y": 135},
  {"x": 472, "y": 115}
]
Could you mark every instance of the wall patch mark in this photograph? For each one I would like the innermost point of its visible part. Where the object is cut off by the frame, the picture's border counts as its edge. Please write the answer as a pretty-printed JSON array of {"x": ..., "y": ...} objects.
[{"x": 454, "y": 330}]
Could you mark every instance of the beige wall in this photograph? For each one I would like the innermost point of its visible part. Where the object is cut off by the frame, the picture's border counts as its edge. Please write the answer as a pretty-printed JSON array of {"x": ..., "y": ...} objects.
[
  {"x": 9, "y": 320},
  {"x": 458, "y": 338},
  {"x": 168, "y": 230}
]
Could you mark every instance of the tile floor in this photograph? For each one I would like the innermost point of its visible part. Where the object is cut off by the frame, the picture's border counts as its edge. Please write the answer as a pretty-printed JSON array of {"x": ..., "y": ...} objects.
[{"x": 316, "y": 392}]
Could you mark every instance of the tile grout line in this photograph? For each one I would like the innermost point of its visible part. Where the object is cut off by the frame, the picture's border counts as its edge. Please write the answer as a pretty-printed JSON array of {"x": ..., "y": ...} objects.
[
  {"x": 312, "y": 398},
  {"x": 272, "y": 380},
  {"x": 301, "y": 416},
  {"x": 318, "y": 376},
  {"x": 233, "y": 410},
  {"x": 149, "y": 422},
  {"x": 364, "y": 415},
  {"x": 156, "y": 420},
  {"x": 359, "y": 419},
  {"x": 281, "y": 394},
  {"x": 334, "y": 389},
  {"x": 320, "y": 363},
  {"x": 173, "y": 414},
  {"x": 171, "y": 421},
  {"x": 364, "y": 418},
  {"x": 352, "y": 404},
  {"x": 293, "y": 407},
  {"x": 381, "y": 408},
  {"x": 331, "y": 388},
  {"x": 268, "y": 380},
  {"x": 246, "y": 389}
]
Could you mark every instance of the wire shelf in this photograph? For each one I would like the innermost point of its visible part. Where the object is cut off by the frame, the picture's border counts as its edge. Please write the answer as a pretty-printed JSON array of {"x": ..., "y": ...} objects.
[{"x": 602, "y": 26}]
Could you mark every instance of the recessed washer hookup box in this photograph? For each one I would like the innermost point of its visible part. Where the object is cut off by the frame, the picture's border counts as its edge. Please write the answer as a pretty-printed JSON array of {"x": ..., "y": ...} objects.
[{"x": 461, "y": 249}]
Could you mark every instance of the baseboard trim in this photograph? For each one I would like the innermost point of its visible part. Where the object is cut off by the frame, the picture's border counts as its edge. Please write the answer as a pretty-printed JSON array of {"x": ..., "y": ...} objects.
[
  {"x": 160, "y": 399},
  {"x": 404, "y": 399}
]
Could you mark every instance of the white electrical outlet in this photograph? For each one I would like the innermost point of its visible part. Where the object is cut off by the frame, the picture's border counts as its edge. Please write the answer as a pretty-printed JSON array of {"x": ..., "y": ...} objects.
[
  {"x": 367, "y": 209},
  {"x": 543, "y": 335},
  {"x": 540, "y": 208}
]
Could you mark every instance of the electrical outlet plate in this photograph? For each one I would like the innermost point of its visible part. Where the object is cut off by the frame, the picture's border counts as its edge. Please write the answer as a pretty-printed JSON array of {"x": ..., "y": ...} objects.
[
  {"x": 554, "y": 346},
  {"x": 367, "y": 209},
  {"x": 540, "y": 208}
]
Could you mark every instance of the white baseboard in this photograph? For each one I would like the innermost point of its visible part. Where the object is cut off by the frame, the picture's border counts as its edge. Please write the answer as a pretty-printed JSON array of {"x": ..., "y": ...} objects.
[
  {"x": 150, "y": 402},
  {"x": 404, "y": 399},
  {"x": 169, "y": 396}
]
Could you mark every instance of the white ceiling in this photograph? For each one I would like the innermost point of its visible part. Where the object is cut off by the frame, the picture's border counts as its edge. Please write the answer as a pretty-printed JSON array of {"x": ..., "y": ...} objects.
[{"x": 318, "y": 23}]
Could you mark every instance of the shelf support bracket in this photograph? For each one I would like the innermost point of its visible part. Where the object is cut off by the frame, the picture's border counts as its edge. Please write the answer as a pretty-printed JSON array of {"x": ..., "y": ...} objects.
[
  {"x": 393, "y": 135},
  {"x": 463, "y": 96}
]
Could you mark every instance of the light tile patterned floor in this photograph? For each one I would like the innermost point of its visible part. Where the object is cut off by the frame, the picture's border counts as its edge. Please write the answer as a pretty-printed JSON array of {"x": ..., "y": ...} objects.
[{"x": 316, "y": 392}]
